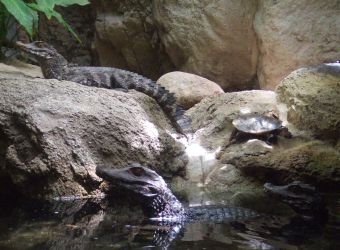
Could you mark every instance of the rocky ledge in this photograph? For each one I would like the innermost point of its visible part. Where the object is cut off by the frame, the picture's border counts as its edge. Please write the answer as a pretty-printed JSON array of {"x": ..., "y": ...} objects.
[
  {"x": 308, "y": 103},
  {"x": 53, "y": 134}
]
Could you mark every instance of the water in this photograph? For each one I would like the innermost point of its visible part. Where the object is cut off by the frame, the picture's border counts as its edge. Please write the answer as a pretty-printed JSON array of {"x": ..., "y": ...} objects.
[{"x": 90, "y": 224}]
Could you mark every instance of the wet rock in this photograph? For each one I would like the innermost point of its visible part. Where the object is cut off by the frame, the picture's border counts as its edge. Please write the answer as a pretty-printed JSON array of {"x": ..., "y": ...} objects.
[
  {"x": 313, "y": 161},
  {"x": 311, "y": 35},
  {"x": 212, "y": 117},
  {"x": 53, "y": 134},
  {"x": 215, "y": 114},
  {"x": 312, "y": 97},
  {"x": 213, "y": 39},
  {"x": 244, "y": 166},
  {"x": 189, "y": 89}
]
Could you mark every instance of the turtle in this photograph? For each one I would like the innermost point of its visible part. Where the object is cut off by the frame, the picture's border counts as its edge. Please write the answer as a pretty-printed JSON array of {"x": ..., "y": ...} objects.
[{"x": 262, "y": 127}]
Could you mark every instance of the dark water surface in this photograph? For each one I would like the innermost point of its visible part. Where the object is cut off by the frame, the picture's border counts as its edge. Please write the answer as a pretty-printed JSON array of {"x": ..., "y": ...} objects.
[{"x": 90, "y": 224}]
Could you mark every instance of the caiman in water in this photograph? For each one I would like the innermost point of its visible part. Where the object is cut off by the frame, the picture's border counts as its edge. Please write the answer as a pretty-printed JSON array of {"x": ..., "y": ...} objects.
[{"x": 165, "y": 211}]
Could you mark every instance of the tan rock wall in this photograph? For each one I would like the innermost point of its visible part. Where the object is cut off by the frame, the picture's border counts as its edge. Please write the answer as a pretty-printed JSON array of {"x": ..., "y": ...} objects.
[
  {"x": 126, "y": 37},
  {"x": 213, "y": 39},
  {"x": 239, "y": 44},
  {"x": 293, "y": 34}
]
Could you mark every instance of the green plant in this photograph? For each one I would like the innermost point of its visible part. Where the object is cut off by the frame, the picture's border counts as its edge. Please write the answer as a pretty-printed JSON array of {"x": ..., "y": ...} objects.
[{"x": 26, "y": 13}]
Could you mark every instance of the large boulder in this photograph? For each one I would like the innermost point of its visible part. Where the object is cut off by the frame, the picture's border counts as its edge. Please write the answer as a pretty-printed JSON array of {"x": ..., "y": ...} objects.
[
  {"x": 312, "y": 96},
  {"x": 54, "y": 133},
  {"x": 215, "y": 40},
  {"x": 294, "y": 34},
  {"x": 189, "y": 89}
]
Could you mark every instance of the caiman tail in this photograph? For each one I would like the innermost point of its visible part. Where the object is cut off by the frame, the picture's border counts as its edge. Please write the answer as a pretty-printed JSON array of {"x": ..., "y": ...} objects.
[{"x": 163, "y": 97}]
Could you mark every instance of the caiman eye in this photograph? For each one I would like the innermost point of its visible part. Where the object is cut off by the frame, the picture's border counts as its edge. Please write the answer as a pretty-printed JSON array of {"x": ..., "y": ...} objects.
[
  {"x": 40, "y": 44},
  {"x": 137, "y": 171}
]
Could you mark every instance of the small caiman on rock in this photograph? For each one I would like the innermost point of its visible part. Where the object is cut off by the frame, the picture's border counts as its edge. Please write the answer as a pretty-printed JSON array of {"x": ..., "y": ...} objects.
[{"x": 55, "y": 66}]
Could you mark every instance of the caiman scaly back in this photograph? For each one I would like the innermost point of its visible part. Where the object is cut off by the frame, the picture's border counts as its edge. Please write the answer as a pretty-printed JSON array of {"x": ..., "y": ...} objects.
[{"x": 55, "y": 66}]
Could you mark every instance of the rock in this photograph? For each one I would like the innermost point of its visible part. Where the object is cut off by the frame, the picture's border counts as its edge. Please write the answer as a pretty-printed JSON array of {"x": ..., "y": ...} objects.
[
  {"x": 212, "y": 117},
  {"x": 53, "y": 134},
  {"x": 213, "y": 39},
  {"x": 215, "y": 114},
  {"x": 247, "y": 165},
  {"x": 294, "y": 34},
  {"x": 126, "y": 37},
  {"x": 81, "y": 19},
  {"x": 189, "y": 89},
  {"x": 19, "y": 68},
  {"x": 314, "y": 162},
  {"x": 312, "y": 96}
]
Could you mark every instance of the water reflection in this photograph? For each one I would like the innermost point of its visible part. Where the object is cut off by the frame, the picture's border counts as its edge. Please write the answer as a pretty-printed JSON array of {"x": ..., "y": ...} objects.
[{"x": 96, "y": 224}]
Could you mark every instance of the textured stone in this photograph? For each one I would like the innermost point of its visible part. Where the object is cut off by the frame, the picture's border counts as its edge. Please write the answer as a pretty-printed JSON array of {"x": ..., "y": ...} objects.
[
  {"x": 212, "y": 117},
  {"x": 126, "y": 37},
  {"x": 81, "y": 19},
  {"x": 294, "y": 34},
  {"x": 314, "y": 162},
  {"x": 189, "y": 89},
  {"x": 312, "y": 96},
  {"x": 215, "y": 114},
  {"x": 53, "y": 134},
  {"x": 247, "y": 165},
  {"x": 213, "y": 39}
]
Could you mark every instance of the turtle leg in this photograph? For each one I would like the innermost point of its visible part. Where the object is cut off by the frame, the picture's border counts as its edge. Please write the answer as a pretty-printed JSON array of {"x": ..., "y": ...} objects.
[
  {"x": 233, "y": 135},
  {"x": 283, "y": 131},
  {"x": 271, "y": 139}
]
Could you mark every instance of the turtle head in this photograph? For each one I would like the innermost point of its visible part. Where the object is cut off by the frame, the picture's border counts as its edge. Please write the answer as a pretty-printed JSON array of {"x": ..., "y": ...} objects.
[
  {"x": 136, "y": 178},
  {"x": 283, "y": 131},
  {"x": 301, "y": 197}
]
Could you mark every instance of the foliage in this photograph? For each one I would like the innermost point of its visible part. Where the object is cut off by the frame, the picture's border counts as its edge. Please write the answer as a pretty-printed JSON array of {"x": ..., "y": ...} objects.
[
  {"x": 3, "y": 22},
  {"x": 27, "y": 13}
]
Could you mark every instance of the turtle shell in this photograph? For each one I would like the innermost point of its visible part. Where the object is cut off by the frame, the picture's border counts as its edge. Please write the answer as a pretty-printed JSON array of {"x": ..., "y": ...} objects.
[{"x": 256, "y": 124}]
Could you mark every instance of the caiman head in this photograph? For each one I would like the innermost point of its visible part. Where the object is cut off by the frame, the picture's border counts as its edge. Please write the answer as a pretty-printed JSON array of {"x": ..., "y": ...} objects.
[
  {"x": 50, "y": 61},
  {"x": 301, "y": 197},
  {"x": 150, "y": 188},
  {"x": 138, "y": 179}
]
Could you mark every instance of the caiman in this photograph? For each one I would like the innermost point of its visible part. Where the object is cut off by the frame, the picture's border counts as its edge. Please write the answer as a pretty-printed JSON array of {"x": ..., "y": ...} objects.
[
  {"x": 55, "y": 66},
  {"x": 162, "y": 209}
]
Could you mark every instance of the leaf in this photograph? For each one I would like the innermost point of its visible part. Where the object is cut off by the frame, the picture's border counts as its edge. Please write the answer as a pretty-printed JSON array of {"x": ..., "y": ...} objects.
[
  {"x": 22, "y": 13},
  {"x": 66, "y": 3},
  {"x": 44, "y": 9},
  {"x": 3, "y": 22}
]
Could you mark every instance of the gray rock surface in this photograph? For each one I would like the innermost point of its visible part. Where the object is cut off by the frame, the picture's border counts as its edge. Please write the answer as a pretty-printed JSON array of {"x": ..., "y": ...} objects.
[
  {"x": 53, "y": 134},
  {"x": 312, "y": 96}
]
